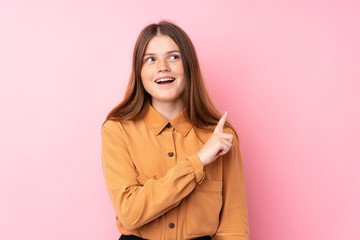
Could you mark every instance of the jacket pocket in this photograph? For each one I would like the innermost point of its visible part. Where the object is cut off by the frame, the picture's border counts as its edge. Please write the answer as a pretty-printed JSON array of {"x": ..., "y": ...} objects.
[{"x": 203, "y": 207}]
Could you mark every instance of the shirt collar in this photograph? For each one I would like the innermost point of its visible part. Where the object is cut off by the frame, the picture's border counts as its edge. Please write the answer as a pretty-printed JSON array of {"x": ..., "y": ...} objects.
[{"x": 157, "y": 122}]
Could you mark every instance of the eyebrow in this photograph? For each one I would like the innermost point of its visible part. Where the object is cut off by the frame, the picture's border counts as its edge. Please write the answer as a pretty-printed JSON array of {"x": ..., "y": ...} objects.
[{"x": 166, "y": 52}]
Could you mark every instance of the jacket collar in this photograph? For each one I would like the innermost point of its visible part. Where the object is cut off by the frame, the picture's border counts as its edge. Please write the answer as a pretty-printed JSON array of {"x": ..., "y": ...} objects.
[{"x": 157, "y": 122}]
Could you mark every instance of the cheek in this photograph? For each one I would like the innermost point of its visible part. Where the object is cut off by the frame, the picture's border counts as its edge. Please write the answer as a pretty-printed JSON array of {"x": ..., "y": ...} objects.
[
  {"x": 143, "y": 79},
  {"x": 183, "y": 85},
  {"x": 180, "y": 69},
  {"x": 181, "y": 73},
  {"x": 145, "y": 74}
]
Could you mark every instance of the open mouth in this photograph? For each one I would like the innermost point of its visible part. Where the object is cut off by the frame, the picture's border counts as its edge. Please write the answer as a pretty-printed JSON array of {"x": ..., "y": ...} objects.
[{"x": 165, "y": 80}]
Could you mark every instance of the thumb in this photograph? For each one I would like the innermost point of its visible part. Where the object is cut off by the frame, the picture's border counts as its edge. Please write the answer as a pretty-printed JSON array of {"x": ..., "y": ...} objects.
[{"x": 220, "y": 126}]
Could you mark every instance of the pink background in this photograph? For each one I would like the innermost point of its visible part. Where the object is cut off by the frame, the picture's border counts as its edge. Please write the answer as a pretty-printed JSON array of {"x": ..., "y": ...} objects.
[{"x": 287, "y": 71}]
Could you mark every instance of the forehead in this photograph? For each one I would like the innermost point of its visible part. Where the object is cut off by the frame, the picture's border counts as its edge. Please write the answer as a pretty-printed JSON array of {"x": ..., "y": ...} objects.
[{"x": 161, "y": 44}]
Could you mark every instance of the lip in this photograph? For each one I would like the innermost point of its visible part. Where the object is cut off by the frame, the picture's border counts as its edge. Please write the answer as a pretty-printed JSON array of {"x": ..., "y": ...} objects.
[{"x": 164, "y": 77}]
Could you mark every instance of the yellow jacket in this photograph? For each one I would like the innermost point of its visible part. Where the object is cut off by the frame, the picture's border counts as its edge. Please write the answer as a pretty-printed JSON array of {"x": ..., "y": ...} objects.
[{"x": 159, "y": 188}]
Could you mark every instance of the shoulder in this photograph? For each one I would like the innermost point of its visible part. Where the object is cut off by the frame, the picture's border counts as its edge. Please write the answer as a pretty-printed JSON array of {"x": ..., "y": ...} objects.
[
  {"x": 230, "y": 131},
  {"x": 114, "y": 132},
  {"x": 123, "y": 128},
  {"x": 113, "y": 127}
]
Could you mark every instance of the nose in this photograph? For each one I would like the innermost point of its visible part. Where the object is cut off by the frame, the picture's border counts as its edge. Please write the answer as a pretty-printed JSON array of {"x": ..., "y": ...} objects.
[{"x": 163, "y": 66}]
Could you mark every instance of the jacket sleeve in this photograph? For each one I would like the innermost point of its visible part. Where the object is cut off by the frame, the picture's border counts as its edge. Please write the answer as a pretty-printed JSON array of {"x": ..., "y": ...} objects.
[
  {"x": 136, "y": 204},
  {"x": 234, "y": 222}
]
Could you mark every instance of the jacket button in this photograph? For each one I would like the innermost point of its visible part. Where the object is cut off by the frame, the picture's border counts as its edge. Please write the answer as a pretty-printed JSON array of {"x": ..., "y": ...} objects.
[
  {"x": 171, "y": 154},
  {"x": 171, "y": 225},
  {"x": 169, "y": 125}
]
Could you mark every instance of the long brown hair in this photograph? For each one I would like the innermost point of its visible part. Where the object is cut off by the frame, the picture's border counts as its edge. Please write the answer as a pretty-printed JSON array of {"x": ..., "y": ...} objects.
[{"x": 199, "y": 109}]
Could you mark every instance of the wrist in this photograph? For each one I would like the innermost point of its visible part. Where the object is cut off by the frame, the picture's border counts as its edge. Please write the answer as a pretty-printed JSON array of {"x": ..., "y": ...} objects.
[{"x": 200, "y": 158}]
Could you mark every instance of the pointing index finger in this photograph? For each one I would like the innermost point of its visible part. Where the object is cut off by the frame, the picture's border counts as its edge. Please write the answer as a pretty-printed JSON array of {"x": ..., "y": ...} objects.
[{"x": 220, "y": 126}]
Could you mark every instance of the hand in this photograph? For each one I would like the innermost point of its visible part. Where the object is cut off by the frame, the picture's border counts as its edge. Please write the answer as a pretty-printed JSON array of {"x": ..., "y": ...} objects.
[{"x": 218, "y": 144}]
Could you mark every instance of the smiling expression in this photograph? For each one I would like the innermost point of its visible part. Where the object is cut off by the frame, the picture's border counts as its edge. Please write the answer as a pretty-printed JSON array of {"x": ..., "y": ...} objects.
[{"x": 162, "y": 72}]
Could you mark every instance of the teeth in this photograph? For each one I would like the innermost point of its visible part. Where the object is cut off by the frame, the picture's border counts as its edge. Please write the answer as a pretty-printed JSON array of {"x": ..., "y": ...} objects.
[{"x": 165, "y": 80}]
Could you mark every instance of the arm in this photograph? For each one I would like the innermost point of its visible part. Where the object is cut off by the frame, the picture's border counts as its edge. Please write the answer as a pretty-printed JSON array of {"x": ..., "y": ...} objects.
[
  {"x": 234, "y": 216},
  {"x": 134, "y": 204}
]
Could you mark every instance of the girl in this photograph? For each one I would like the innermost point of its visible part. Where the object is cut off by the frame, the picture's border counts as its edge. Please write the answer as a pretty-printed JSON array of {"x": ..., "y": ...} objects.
[{"x": 172, "y": 169}]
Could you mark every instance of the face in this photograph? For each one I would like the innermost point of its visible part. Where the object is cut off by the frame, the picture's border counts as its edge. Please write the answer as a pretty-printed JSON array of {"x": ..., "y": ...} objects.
[{"x": 162, "y": 72}]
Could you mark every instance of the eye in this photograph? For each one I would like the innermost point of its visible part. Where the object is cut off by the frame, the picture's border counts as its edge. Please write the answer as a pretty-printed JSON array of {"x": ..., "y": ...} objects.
[
  {"x": 149, "y": 59},
  {"x": 174, "y": 57}
]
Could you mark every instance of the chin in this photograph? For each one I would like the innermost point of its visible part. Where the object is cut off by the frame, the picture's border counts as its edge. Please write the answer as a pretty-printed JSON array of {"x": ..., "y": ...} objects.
[{"x": 168, "y": 99}]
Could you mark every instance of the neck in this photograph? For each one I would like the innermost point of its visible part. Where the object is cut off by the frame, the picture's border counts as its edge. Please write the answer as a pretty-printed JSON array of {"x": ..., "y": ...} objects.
[{"x": 168, "y": 110}]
